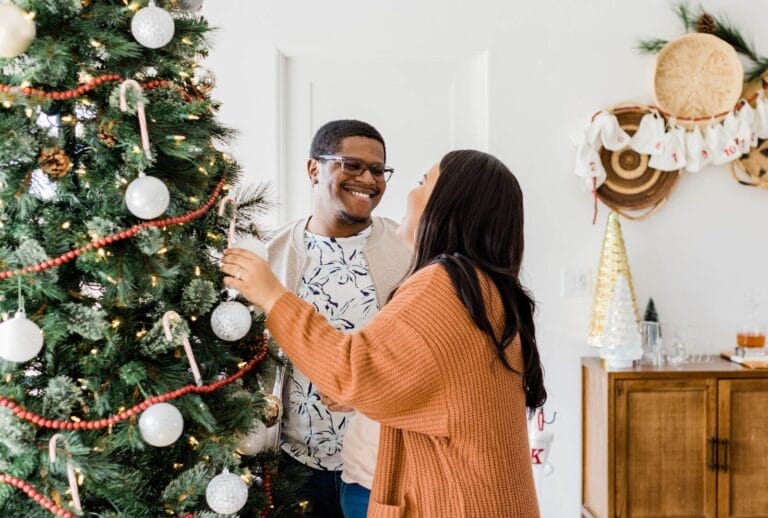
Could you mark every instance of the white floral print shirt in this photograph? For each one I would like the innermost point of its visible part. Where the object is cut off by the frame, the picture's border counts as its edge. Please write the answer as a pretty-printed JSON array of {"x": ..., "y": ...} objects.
[{"x": 336, "y": 281}]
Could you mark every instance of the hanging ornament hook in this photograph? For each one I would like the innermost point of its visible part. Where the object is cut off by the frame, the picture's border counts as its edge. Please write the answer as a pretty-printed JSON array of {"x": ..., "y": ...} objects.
[
  {"x": 130, "y": 83},
  {"x": 71, "y": 477},
  {"x": 21, "y": 297},
  {"x": 172, "y": 315}
]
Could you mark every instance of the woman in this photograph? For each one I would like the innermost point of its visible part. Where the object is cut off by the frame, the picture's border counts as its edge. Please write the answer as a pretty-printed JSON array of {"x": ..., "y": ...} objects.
[{"x": 449, "y": 364}]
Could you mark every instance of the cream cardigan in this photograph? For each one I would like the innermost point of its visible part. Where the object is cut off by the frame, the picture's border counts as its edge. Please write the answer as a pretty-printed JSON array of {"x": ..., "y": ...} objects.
[{"x": 454, "y": 441}]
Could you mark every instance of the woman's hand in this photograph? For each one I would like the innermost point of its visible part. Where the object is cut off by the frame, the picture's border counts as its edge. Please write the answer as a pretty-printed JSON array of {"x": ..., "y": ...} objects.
[
  {"x": 251, "y": 276},
  {"x": 332, "y": 405}
]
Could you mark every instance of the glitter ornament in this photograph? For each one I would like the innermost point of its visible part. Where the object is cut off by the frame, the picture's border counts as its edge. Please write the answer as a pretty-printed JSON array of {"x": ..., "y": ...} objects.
[
  {"x": 203, "y": 79},
  {"x": 231, "y": 321},
  {"x": 20, "y": 338},
  {"x": 226, "y": 493},
  {"x": 161, "y": 424},
  {"x": 147, "y": 197},
  {"x": 255, "y": 441},
  {"x": 252, "y": 245},
  {"x": 17, "y": 30},
  {"x": 152, "y": 26}
]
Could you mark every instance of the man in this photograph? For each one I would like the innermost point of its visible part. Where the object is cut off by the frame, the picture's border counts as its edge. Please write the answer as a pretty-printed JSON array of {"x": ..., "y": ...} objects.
[{"x": 346, "y": 263}]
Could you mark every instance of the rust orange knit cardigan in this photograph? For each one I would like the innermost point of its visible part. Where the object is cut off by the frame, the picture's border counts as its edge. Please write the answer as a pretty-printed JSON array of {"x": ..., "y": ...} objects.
[{"x": 454, "y": 439}]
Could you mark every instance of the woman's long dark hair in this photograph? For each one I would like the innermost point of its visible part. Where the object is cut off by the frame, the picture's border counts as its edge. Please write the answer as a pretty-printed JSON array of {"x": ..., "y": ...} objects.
[{"x": 474, "y": 220}]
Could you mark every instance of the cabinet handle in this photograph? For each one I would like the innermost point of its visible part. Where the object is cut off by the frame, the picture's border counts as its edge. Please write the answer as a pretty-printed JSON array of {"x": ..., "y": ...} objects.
[
  {"x": 712, "y": 454},
  {"x": 724, "y": 466}
]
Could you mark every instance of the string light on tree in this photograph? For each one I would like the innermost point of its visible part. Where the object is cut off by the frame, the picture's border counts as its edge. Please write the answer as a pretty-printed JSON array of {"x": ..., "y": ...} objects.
[
  {"x": 152, "y": 26},
  {"x": 161, "y": 424},
  {"x": 17, "y": 30},
  {"x": 226, "y": 493}
]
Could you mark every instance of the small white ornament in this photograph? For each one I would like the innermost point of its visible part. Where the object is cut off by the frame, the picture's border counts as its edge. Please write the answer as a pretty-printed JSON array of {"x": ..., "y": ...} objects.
[
  {"x": 226, "y": 493},
  {"x": 147, "y": 197},
  {"x": 17, "y": 30},
  {"x": 231, "y": 321},
  {"x": 152, "y": 26},
  {"x": 253, "y": 245},
  {"x": 255, "y": 441},
  {"x": 190, "y": 5},
  {"x": 161, "y": 424},
  {"x": 20, "y": 338}
]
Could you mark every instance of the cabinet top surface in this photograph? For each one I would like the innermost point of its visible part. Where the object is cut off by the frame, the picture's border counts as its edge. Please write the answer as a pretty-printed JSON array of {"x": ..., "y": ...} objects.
[{"x": 717, "y": 366}]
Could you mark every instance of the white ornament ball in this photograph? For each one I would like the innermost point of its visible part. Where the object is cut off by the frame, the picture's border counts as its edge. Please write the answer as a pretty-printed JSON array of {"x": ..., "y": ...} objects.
[
  {"x": 152, "y": 26},
  {"x": 253, "y": 245},
  {"x": 20, "y": 338},
  {"x": 147, "y": 197},
  {"x": 231, "y": 321},
  {"x": 161, "y": 424},
  {"x": 255, "y": 441},
  {"x": 226, "y": 493},
  {"x": 17, "y": 30}
]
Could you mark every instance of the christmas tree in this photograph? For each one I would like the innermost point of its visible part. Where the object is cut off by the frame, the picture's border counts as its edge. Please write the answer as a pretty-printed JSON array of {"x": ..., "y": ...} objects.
[
  {"x": 621, "y": 341},
  {"x": 128, "y": 387},
  {"x": 650, "y": 314}
]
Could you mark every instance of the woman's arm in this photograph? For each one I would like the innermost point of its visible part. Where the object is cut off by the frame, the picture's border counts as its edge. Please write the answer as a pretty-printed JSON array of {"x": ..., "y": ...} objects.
[{"x": 386, "y": 370}]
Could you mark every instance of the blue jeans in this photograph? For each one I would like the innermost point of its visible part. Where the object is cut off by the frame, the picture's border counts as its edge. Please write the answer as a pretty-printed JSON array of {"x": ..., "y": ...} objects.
[{"x": 354, "y": 500}]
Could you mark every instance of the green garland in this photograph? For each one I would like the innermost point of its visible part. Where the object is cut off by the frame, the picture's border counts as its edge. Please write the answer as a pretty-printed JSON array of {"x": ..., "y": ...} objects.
[{"x": 723, "y": 29}]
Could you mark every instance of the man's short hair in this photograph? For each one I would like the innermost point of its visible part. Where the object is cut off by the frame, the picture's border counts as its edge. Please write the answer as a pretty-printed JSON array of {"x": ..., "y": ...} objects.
[{"x": 328, "y": 138}]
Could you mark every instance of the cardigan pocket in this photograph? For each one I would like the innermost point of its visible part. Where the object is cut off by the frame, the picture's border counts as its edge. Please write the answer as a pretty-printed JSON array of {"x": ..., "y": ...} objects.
[{"x": 377, "y": 510}]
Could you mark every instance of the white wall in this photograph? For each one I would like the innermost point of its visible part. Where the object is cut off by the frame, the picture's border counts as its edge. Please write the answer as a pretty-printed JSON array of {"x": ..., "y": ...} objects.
[{"x": 550, "y": 65}]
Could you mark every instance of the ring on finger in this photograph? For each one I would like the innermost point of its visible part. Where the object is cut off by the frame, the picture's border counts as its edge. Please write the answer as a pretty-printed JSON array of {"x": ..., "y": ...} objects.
[{"x": 237, "y": 274}]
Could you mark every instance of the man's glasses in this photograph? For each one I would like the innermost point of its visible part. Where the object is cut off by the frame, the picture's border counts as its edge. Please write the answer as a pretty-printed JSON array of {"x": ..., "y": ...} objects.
[{"x": 355, "y": 167}]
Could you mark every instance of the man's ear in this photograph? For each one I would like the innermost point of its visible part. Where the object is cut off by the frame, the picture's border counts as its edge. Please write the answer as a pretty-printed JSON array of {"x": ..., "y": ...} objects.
[{"x": 313, "y": 170}]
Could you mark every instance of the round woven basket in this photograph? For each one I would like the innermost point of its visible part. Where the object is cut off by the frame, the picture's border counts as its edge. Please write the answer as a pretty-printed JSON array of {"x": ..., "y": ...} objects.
[
  {"x": 630, "y": 184},
  {"x": 698, "y": 76}
]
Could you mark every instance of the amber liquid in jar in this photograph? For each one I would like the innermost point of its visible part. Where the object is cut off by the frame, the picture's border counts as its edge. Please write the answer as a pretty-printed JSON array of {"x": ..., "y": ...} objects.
[{"x": 749, "y": 340}]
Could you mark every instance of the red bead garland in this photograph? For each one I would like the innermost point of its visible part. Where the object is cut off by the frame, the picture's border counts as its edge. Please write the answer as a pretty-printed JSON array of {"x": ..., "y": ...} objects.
[
  {"x": 87, "y": 87},
  {"x": 119, "y": 236},
  {"x": 33, "y": 494},
  {"x": 42, "y": 422},
  {"x": 267, "y": 491}
]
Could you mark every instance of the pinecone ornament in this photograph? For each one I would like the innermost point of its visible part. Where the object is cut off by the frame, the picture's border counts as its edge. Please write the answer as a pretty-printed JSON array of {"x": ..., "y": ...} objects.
[
  {"x": 54, "y": 162},
  {"x": 106, "y": 133},
  {"x": 706, "y": 23}
]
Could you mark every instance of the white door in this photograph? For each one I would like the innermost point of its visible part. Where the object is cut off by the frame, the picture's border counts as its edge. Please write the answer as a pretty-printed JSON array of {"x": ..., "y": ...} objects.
[{"x": 422, "y": 107}]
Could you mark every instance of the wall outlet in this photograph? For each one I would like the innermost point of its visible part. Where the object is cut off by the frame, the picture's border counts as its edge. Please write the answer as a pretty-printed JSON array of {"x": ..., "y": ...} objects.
[{"x": 576, "y": 282}]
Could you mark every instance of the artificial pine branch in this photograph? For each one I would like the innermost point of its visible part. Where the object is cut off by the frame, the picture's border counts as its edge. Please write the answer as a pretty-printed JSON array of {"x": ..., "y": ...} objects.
[
  {"x": 652, "y": 46},
  {"x": 727, "y": 32},
  {"x": 687, "y": 18}
]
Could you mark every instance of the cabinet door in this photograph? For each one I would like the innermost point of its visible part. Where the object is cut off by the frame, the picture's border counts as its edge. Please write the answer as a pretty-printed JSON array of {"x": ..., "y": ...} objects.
[
  {"x": 662, "y": 452},
  {"x": 742, "y": 488}
]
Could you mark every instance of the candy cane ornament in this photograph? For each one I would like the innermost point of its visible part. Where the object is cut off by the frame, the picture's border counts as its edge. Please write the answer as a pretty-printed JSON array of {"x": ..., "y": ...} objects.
[
  {"x": 172, "y": 315},
  {"x": 249, "y": 243},
  {"x": 130, "y": 83},
  {"x": 70, "y": 471}
]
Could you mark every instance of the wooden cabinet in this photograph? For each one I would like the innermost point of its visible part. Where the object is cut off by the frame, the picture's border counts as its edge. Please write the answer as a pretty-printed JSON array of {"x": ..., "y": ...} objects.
[{"x": 688, "y": 441}]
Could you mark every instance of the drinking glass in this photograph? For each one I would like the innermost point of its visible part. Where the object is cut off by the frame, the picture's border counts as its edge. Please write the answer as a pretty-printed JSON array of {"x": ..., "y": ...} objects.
[{"x": 652, "y": 350}]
